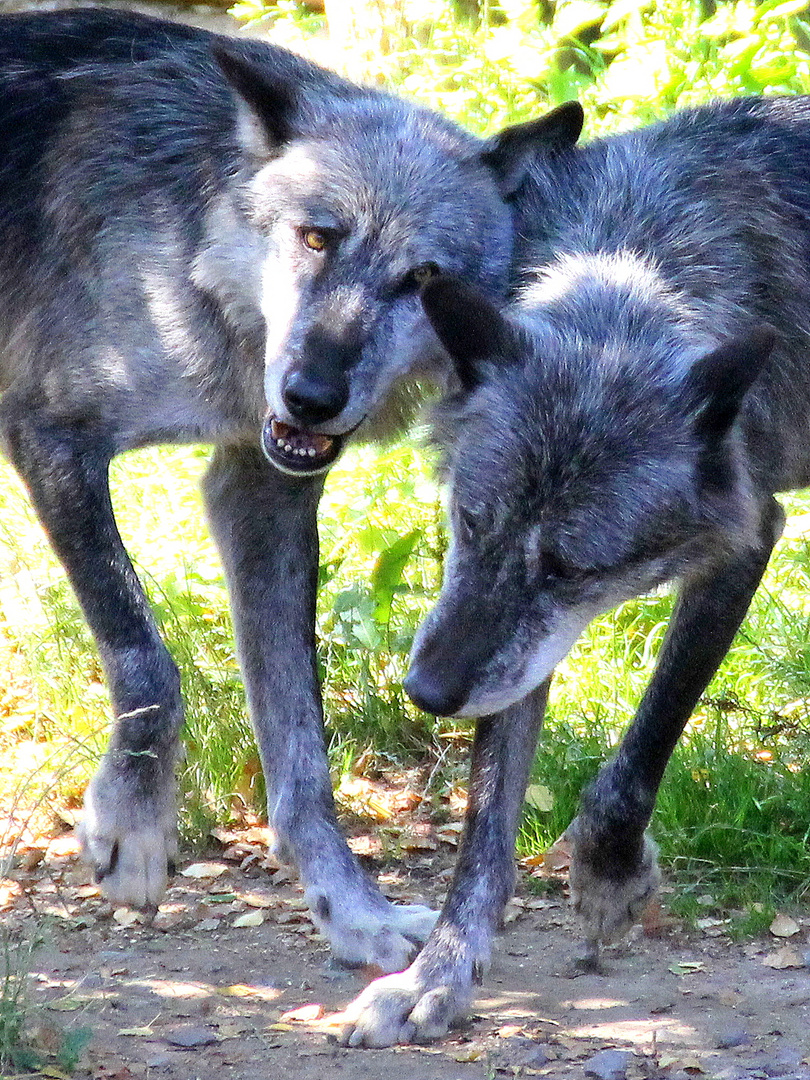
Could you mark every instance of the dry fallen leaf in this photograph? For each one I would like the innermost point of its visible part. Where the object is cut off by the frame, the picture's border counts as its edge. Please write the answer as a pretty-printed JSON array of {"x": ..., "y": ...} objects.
[
  {"x": 784, "y": 926},
  {"x": 126, "y": 917},
  {"x": 259, "y": 900},
  {"x": 783, "y": 958},
  {"x": 558, "y": 856},
  {"x": 366, "y": 846},
  {"x": 513, "y": 910},
  {"x": 204, "y": 870},
  {"x": 365, "y": 797},
  {"x": 250, "y": 918}
]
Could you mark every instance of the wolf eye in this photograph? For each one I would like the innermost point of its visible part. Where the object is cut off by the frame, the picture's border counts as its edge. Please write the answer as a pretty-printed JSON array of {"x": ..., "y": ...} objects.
[
  {"x": 314, "y": 239},
  {"x": 421, "y": 275}
]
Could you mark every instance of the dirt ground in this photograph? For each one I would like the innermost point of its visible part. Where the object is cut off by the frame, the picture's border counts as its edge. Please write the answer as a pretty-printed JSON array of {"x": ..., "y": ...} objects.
[{"x": 230, "y": 982}]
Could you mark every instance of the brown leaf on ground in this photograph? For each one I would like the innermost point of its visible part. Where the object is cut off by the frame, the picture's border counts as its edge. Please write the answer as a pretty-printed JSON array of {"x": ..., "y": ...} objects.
[
  {"x": 366, "y": 846},
  {"x": 784, "y": 926},
  {"x": 783, "y": 958},
  {"x": 557, "y": 858}
]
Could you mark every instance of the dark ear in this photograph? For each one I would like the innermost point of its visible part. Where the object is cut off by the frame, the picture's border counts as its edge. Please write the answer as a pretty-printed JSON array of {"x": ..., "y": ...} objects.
[
  {"x": 469, "y": 326},
  {"x": 509, "y": 152},
  {"x": 270, "y": 103},
  {"x": 718, "y": 383}
]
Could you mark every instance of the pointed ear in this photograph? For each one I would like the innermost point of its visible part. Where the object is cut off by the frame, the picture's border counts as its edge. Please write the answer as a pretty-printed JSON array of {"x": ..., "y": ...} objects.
[
  {"x": 718, "y": 383},
  {"x": 509, "y": 153},
  {"x": 265, "y": 105},
  {"x": 469, "y": 326}
]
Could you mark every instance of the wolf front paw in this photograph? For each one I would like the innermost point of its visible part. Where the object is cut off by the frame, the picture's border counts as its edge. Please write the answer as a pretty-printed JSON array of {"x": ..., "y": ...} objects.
[
  {"x": 128, "y": 835},
  {"x": 361, "y": 931},
  {"x": 405, "y": 1008},
  {"x": 610, "y": 904}
]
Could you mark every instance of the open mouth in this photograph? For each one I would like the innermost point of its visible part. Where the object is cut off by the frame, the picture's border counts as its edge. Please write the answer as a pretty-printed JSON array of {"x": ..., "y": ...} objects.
[{"x": 296, "y": 451}]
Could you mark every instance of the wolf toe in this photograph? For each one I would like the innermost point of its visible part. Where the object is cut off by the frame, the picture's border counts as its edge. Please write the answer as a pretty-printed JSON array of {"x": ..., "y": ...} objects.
[
  {"x": 383, "y": 935},
  {"x": 609, "y": 906},
  {"x": 403, "y": 1008},
  {"x": 129, "y": 841}
]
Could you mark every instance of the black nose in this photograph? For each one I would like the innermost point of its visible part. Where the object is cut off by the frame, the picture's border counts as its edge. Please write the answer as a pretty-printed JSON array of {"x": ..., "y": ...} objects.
[
  {"x": 312, "y": 399},
  {"x": 442, "y": 697}
]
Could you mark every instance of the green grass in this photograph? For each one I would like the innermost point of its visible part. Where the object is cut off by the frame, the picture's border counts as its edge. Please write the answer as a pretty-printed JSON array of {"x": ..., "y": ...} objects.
[{"x": 16, "y": 1051}]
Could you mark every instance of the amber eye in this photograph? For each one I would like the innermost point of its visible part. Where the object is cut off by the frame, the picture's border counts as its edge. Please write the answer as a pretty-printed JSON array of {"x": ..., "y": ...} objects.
[
  {"x": 421, "y": 275},
  {"x": 314, "y": 239}
]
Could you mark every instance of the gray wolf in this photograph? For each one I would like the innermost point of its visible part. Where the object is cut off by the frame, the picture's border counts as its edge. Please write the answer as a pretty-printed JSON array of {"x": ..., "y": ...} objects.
[
  {"x": 624, "y": 423},
  {"x": 205, "y": 239}
]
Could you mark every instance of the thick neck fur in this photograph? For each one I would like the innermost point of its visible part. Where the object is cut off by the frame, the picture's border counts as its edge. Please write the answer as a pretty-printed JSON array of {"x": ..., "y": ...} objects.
[{"x": 705, "y": 216}]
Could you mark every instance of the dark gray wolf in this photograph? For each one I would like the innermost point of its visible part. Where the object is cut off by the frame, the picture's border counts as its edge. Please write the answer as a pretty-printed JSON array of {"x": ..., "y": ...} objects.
[
  {"x": 212, "y": 240},
  {"x": 625, "y": 423}
]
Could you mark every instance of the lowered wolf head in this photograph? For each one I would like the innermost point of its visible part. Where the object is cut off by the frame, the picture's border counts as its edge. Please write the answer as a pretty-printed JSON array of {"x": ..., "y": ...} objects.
[
  {"x": 593, "y": 452},
  {"x": 361, "y": 198}
]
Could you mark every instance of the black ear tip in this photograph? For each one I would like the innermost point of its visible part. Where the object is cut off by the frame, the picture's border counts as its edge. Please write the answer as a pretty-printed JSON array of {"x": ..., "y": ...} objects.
[
  {"x": 231, "y": 64},
  {"x": 574, "y": 116},
  {"x": 443, "y": 291}
]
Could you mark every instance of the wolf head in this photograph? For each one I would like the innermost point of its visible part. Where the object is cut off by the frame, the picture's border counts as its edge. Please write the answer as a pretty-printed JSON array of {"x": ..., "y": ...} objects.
[
  {"x": 592, "y": 453},
  {"x": 360, "y": 199}
]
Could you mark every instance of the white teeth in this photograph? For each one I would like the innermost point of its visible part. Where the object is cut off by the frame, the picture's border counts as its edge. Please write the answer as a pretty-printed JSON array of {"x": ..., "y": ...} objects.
[{"x": 297, "y": 451}]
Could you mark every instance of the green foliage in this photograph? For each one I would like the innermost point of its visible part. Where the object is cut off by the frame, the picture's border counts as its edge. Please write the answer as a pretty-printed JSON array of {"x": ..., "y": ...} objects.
[
  {"x": 15, "y": 1052},
  {"x": 628, "y": 61}
]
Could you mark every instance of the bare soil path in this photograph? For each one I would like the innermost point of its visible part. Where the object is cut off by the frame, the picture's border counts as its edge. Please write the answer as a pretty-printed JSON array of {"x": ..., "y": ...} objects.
[{"x": 230, "y": 982}]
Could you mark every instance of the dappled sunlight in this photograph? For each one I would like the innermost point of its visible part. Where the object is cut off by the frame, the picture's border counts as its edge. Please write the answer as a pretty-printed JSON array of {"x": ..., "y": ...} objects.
[{"x": 641, "y": 1031}]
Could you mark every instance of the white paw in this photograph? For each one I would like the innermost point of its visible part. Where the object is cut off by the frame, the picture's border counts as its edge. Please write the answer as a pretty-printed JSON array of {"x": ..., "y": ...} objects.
[
  {"x": 362, "y": 930},
  {"x": 129, "y": 838},
  {"x": 609, "y": 907},
  {"x": 405, "y": 1008}
]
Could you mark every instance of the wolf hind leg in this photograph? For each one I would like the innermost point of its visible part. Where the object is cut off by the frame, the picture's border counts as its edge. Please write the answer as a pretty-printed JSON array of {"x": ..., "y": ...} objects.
[
  {"x": 264, "y": 523},
  {"x": 128, "y": 833},
  {"x": 614, "y": 867}
]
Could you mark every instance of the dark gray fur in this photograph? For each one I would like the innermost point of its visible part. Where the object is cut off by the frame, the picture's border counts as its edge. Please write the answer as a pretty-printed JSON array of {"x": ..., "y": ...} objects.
[
  {"x": 186, "y": 256},
  {"x": 626, "y": 422}
]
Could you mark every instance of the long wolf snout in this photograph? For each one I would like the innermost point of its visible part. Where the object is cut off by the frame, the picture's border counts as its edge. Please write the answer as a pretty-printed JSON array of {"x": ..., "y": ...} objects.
[{"x": 446, "y": 665}]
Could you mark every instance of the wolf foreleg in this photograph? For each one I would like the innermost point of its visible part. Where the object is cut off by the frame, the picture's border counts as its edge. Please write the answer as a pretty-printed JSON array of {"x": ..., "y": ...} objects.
[
  {"x": 435, "y": 992},
  {"x": 128, "y": 832},
  {"x": 265, "y": 526},
  {"x": 614, "y": 869}
]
